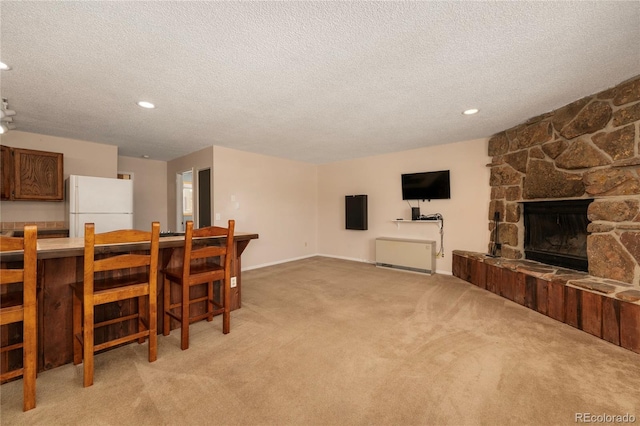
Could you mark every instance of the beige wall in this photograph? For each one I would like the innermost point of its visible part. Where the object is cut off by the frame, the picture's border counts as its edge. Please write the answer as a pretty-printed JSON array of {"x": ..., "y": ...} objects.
[
  {"x": 465, "y": 214},
  {"x": 296, "y": 208},
  {"x": 80, "y": 158},
  {"x": 149, "y": 190},
  {"x": 195, "y": 161},
  {"x": 273, "y": 197}
]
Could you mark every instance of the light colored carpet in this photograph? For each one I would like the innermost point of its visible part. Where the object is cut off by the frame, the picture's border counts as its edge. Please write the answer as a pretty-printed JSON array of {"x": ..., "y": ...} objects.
[{"x": 330, "y": 342}]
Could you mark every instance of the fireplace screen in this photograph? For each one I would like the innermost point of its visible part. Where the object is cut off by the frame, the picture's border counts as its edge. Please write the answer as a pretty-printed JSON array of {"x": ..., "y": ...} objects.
[{"x": 556, "y": 232}]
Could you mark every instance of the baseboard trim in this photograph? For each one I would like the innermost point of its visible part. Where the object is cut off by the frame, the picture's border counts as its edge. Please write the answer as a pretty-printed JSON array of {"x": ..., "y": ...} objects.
[
  {"x": 278, "y": 262},
  {"x": 353, "y": 259}
]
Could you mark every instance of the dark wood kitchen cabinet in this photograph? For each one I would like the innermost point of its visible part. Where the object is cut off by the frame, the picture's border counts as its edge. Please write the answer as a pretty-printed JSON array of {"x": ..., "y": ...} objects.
[
  {"x": 32, "y": 175},
  {"x": 5, "y": 163}
]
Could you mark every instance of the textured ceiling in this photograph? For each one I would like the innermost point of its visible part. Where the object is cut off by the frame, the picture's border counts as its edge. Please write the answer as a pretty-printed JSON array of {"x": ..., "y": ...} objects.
[{"x": 311, "y": 81}]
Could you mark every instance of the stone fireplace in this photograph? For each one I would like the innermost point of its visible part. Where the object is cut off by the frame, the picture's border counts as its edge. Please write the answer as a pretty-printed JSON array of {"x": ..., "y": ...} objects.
[
  {"x": 587, "y": 151},
  {"x": 577, "y": 167}
]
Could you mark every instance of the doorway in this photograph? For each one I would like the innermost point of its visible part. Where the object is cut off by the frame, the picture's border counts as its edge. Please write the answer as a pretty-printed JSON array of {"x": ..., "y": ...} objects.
[
  {"x": 184, "y": 199},
  {"x": 193, "y": 198}
]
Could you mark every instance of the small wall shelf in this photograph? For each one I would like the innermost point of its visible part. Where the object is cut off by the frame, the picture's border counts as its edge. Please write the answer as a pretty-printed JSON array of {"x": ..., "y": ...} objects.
[{"x": 399, "y": 221}]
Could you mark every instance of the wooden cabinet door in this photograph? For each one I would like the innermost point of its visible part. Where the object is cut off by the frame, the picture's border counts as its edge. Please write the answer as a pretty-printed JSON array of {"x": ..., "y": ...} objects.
[
  {"x": 37, "y": 175},
  {"x": 6, "y": 164}
]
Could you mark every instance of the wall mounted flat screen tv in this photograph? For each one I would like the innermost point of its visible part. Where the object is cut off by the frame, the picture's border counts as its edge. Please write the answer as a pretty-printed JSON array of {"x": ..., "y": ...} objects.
[{"x": 426, "y": 186}]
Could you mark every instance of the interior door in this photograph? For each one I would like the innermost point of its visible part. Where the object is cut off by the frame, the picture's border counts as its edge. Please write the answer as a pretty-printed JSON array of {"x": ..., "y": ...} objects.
[{"x": 204, "y": 198}]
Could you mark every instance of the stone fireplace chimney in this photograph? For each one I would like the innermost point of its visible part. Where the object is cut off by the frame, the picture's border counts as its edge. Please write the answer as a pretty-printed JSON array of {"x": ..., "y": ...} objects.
[{"x": 588, "y": 149}]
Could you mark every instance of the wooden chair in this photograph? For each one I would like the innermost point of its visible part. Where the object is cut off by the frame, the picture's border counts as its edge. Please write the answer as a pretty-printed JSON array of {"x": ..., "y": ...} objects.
[
  {"x": 201, "y": 265},
  {"x": 115, "y": 277},
  {"x": 19, "y": 305}
]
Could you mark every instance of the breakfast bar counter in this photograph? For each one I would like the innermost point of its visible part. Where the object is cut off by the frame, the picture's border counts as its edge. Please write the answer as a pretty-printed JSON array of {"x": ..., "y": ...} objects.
[
  {"x": 51, "y": 248},
  {"x": 60, "y": 263}
]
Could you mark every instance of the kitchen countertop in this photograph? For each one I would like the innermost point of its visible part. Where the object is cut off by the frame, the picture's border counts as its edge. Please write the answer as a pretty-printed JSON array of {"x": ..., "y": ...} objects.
[
  {"x": 65, "y": 247},
  {"x": 43, "y": 232}
]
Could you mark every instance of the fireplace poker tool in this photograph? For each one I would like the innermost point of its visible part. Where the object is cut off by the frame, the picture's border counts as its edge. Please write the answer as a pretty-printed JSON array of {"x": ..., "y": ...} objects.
[{"x": 494, "y": 246}]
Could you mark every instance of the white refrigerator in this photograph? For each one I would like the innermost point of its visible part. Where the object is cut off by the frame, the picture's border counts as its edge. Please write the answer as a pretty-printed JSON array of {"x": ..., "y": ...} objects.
[{"x": 108, "y": 203}]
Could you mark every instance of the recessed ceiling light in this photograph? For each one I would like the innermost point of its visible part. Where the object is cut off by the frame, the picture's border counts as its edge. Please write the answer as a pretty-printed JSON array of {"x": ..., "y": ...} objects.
[
  {"x": 145, "y": 104},
  {"x": 145, "y": 156},
  {"x": 4, "y": 67},
  {"x": 470, "y": 111}
]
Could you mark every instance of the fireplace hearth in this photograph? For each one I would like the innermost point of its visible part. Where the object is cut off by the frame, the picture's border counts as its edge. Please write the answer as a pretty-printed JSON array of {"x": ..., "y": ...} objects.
[{"x": 556, "y": 232}]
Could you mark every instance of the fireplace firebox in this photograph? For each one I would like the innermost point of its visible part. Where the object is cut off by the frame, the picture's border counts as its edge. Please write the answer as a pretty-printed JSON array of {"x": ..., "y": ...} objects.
[{"x": 556, "y": 232}]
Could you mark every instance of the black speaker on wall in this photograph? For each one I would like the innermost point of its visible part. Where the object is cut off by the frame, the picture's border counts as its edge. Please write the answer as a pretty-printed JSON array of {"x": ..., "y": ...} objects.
[{"x": 356, "y": 212}]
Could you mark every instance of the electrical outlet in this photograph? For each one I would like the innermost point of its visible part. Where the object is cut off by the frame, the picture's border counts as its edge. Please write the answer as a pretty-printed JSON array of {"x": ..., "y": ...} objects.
[{"x": 233, "y": 282}]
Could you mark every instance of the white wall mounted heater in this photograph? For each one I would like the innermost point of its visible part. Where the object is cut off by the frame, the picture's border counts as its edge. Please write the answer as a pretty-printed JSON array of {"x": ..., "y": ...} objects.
[{"x": 406, "y": 254}]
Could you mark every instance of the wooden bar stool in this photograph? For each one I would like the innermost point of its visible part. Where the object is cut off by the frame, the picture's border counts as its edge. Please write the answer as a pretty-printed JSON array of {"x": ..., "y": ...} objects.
[
  {"x": 19, "y": 305},
  {"x": 201, "y": 265},
  {"x": 114, "y": 277}
]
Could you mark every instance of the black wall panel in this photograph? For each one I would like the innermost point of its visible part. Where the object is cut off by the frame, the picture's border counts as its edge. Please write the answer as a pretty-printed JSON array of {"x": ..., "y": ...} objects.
[{"x": 356, "y": 212}]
